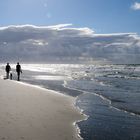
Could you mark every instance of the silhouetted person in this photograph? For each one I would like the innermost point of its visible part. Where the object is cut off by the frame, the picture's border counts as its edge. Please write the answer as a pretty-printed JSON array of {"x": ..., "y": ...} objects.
[
  {"x": 18, "y": 70},
  {"x": 7, "y": 69}
]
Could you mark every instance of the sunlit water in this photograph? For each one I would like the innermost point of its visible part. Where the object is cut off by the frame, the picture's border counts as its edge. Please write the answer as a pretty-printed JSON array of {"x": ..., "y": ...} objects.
[{"x": 108, "y": 94}]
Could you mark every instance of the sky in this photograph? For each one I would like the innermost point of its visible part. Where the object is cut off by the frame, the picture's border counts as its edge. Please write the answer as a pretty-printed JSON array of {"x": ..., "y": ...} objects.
[
  {"x": 70, "y": 31},
  {"x": 103, "y": 16},
  {"x": 64, "y": 44}
]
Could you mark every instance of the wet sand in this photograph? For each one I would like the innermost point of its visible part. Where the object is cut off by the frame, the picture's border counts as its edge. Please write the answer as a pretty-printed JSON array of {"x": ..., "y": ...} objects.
[{"x": 31, "y": 113}]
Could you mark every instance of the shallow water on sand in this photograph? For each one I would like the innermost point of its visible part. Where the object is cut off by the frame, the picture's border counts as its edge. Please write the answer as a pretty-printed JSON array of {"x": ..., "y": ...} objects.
[{"x": 108, "y": 94}]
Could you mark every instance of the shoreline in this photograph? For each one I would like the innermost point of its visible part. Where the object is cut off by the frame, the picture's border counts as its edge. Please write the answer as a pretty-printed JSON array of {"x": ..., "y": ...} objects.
[
  {"x": 85, "y": 117},
  {"x": 79, "y": 116}
]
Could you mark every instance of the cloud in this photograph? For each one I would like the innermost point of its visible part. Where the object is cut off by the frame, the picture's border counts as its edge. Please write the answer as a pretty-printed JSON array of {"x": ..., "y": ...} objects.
[
  {"x": 136, "y": 6},
  {"x": 58, "y": 27},
  {"x": 63, "y": 43}
]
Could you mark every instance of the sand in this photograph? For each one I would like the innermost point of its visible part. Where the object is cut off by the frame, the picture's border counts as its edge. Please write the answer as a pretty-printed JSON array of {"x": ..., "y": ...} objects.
[{"x": 31, "y": 113}]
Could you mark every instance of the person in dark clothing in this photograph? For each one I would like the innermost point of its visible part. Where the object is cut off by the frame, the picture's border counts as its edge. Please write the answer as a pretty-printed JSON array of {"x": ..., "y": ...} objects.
[
  {"x": 18, "y": 70},
  {"x": 7, "y": 69}
]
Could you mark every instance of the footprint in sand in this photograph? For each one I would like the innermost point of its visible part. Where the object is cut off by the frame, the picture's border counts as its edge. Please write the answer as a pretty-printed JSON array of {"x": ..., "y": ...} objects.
[{"x": 22, "y": 138}]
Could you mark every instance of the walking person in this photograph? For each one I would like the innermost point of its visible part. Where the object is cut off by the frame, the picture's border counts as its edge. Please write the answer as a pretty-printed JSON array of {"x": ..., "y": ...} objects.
[
  {"x": 7, "y": 69},
  {"x": 18, "y": 70}
]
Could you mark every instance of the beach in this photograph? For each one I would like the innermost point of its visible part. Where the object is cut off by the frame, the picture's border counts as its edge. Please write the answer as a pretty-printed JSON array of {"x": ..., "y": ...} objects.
[
  {"x": 45, "y": 104},
  {"x": 31, "y": 113}
]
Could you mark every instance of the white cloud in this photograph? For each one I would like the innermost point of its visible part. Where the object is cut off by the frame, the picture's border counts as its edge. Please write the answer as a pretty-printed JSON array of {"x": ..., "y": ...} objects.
[
  {"x": 35, "y": 42},
  {"x": 65, "y": 43},
  {"x": 59, "y": 26},
  {"x": 136, "y": 6}
]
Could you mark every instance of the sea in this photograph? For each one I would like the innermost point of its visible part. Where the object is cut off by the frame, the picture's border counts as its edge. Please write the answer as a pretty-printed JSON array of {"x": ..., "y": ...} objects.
[{"x": 108, "y": 94}]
